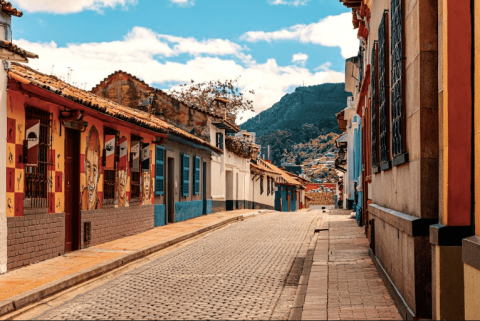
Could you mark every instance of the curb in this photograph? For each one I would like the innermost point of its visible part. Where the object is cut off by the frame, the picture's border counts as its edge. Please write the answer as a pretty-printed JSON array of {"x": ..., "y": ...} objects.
[{"x": 49, "y": 289}]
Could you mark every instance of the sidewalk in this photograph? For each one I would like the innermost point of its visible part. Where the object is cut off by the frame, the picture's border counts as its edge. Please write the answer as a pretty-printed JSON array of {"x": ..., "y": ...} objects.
[
  {"x": 30, "y": 284},
  {"x": 343, "y": 283}
]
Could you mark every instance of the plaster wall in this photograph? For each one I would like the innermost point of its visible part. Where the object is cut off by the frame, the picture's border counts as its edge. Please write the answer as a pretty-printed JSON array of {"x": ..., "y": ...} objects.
[
  {"x": 412, "y": 188},
  {"x": 265, "y": 198},
  {"x": 472, "y": 292},
  {"x": 174, "y": 150}
]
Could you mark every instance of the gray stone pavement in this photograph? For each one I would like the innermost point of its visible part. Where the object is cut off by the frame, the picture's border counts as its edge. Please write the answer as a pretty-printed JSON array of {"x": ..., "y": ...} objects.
[{"x": 239, "y": 272}]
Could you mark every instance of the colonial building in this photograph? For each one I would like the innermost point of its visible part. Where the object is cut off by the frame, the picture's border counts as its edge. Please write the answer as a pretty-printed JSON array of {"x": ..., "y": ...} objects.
[
  {"x": 8, "y": 53},
  {"x": 230, "y": 170},
  {"x": 83, "y": 170},
  {"x": 397, "y": 100}
]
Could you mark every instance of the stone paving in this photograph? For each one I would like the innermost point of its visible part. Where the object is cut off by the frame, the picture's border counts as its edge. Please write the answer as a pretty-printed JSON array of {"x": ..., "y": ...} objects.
[
  {"x": 344, "y": 283},
  {"x": 239, "y": 272}
]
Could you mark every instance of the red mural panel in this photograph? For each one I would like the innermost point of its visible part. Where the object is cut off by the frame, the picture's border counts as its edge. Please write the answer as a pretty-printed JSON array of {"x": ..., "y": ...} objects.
[
  {"x": 10, "y": 180},
  {"x": 100, "y": 197},
  {"x": 51, "y": 203},
  {"x": 82, "y": 164},
  {"x": 18, "y": 204},
  {"x": 58, "y": 182},
  {"x": 11, "y": 130},
  {"x": 19, "y": 156},
  {"x": 51, "y": 160}
]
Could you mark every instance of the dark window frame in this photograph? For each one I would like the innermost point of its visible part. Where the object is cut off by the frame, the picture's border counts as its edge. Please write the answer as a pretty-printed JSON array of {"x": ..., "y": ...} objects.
[
  {"x": 110, "y": 176},
  {"x": 38, "y": 181}
]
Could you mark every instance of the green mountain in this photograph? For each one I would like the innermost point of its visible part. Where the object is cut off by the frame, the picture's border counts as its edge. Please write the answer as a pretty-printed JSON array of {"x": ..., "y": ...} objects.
[
  {"x": 302, "y": 125},
  {"x": 316, "y": 105}
]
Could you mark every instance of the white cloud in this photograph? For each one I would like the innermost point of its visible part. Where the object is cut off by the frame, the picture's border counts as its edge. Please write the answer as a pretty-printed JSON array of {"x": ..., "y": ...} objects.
[
  {"x": 183, "y": 3},
  {"x": 295, "y": 3},
  {"x": 146, "y": 55},
  {"x": 300, "y": 58},
  {"x": 333, "y": 31},
  {"x": 69, "y": 6},
  {"x": 324, "y": 67}
]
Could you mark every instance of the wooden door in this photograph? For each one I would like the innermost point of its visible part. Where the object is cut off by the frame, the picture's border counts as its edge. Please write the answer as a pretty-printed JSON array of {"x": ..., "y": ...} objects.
[{"x": 72, "y": 190}]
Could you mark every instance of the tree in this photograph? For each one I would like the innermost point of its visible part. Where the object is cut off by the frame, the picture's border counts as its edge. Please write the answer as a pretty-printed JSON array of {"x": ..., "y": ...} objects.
[{"x": 203, "y": 95}]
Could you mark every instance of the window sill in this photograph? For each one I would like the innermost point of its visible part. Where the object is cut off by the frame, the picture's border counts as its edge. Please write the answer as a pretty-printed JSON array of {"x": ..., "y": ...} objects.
[
  {"x": 400, "y": 159},
  {"x": 386, "y": 166}
]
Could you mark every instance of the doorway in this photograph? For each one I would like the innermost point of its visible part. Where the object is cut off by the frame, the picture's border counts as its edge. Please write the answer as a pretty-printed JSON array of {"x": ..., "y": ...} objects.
[
  {"x": 171, "y": 190},
  {"x": 229, "y": 190},
  {"x": 204, "y": 188},
  {"x": 72, "y": 190}
]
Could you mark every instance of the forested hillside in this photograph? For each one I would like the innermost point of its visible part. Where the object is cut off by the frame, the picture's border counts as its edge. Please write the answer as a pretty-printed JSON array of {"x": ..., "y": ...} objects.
[
  {"x": 315, "y": 105},
  {"x": 301, "y": 127}
]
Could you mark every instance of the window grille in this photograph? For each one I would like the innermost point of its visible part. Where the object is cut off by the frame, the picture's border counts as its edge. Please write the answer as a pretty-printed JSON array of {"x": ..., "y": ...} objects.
[
  {"x": 135, "y": 185},
  {"x": 268, "y": 185},
  {"x": 383, "y": 64},
  {"x": 261, "y": 185},
  {"x": 38, "y": 179},
  {"x": 397, "y": 77},
  {"x": 159, "y": 170},
  {"x": 220, "y": 140},
  {"x": 110, "y": 174},
  {"x": 374, "y": 105}
]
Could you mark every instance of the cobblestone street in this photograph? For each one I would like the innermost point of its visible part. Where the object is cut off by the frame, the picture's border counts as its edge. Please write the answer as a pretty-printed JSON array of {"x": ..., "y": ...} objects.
[{"x": 238, "y": 272}]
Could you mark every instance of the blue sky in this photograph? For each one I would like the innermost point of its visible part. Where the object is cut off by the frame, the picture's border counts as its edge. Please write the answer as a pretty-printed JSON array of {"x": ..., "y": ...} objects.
[{"x": 275, "y": 45}]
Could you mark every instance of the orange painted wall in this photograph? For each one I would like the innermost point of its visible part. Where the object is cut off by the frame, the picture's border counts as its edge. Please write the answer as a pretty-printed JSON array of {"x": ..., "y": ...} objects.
[{"x": 15, "y": 170}]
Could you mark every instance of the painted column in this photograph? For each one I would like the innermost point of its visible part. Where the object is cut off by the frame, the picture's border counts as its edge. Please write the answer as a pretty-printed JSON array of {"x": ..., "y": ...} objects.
[
  {"x": 471, "y": 246},
  {"x": 3, "y": 169},
  {"x": 456, "y": 143}
]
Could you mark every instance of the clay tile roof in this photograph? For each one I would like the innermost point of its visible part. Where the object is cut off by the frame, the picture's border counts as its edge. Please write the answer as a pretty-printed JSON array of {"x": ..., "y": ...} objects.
[
  {"x": 285, "y": 178},
  {"x": 156, "y": 90},
  {"x": 260, "y": 168},
  {"x": 17, "y": 50},
  {"x": 106, "y": 79},
  {"x": 139, "y": 118},
  {"x": 8, "y": 9}
]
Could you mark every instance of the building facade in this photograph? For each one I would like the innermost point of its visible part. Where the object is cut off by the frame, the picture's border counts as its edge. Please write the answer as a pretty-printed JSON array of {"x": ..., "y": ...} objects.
[
  {"x": 83, "y": 170},
  {"x": 8, "y": 53}
]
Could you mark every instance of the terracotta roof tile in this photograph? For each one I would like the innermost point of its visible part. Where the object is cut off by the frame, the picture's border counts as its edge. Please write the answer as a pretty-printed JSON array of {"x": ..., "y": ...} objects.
[
  {"x": 7, "y": 45},
  {"x": 286, "y": 178},
  {"x": 8, "y": 9},
  {"x": 27, "y": 75}
]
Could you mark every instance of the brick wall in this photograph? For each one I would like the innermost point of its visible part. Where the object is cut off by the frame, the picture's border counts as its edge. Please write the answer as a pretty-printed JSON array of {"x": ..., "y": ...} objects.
[
  {"x": 114, "y": 223},
  {"x": 34, "y": 238}
]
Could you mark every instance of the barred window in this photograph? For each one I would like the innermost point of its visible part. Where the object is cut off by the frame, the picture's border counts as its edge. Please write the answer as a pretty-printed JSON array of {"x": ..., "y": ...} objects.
[
  {"x": 384, "y": 92},
  {"x": 136, "y": 167},
  {"x": 110, "y": 163},
  {"x": 398, "y": 122},
  {"x": 37, "y": 158},
  {"x": 374, "y": 107}
]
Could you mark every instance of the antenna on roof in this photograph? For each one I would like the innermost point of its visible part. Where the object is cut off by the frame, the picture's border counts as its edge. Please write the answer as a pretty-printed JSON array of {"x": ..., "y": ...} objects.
[{"x": 69, "y": 76}]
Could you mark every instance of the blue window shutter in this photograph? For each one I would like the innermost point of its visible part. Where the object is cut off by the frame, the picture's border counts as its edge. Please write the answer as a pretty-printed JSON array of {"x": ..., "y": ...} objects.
[
  {"x": 186, "y": 174},
  {"x": 197, "y": 175},
  {"x": 159, "y": 171}
]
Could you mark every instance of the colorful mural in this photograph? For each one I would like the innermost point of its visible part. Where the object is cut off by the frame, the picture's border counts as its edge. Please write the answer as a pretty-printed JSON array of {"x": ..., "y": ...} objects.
[
  {"x": 16, "y": 135},
  {"x": 92, "y": 157}
]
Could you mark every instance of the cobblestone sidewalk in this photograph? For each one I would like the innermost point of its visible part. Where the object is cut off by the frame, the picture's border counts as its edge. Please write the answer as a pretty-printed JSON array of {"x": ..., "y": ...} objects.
[
  {"x": 235, "y": 273},
  {"x": 344, "y": 283}
]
